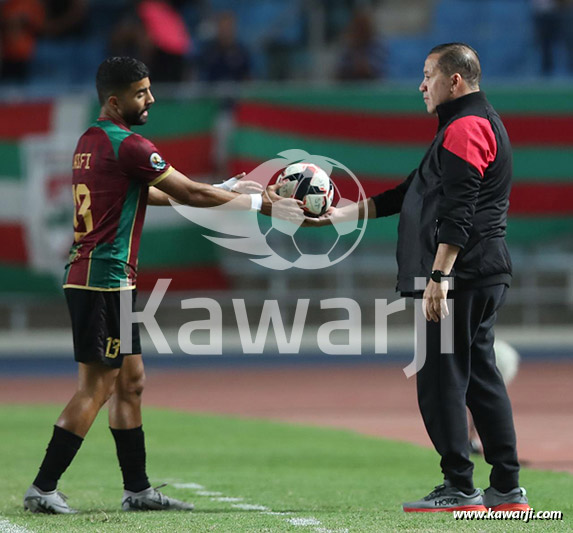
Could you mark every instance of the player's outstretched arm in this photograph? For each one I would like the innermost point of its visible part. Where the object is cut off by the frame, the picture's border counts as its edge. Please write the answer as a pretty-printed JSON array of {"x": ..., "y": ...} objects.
[
  {"x": 235, "y": 184},
  {"x": 188, "y": 192},
  {"x": 157, "y": 197}
]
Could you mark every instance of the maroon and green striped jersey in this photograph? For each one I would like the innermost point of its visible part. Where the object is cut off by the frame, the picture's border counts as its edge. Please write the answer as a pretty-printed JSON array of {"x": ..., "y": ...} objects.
[{"x": 113, "y": 168}]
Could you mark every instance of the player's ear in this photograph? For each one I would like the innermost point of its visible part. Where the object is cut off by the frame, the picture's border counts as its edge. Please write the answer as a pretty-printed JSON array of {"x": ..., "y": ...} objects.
[{"x": 113, "y": 102}]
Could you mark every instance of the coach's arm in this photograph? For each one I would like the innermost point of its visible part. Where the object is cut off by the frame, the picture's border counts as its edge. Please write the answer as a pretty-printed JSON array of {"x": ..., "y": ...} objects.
[{"x": 382, "y": 205}]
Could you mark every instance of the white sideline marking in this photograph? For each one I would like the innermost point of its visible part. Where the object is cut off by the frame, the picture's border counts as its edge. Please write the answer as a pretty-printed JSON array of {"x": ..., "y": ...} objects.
[
  {"x": 200, "y": 490},
  {"x": 304, "y": 521},
  {"x": 250, "y": 507},
  {"x": 194, "y": 486},
  {"x": 8, "y": 527}
]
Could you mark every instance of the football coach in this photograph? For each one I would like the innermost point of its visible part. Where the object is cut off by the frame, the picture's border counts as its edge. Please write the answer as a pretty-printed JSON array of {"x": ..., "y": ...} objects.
[{"x": 453, "y": 215}]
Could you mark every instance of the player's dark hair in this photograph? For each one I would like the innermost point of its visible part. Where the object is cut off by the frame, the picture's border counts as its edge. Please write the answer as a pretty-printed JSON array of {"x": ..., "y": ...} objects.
[
  {"x": 116, "y": 74},
  {"x": 459, "y": 58}
]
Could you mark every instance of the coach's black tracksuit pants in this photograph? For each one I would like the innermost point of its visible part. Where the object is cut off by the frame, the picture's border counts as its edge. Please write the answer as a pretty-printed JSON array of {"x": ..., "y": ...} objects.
[{"x": 448, "y": 382}]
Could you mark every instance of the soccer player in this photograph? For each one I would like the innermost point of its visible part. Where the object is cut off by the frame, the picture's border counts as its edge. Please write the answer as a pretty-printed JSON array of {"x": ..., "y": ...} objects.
[
  {"x": 116, "y": 173},
  {"x": 453, "y": 217}
]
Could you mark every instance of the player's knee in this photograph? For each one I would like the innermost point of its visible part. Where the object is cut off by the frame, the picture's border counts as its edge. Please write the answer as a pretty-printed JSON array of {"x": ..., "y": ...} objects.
[
  {"x": 138, "y": 384},
  {"x": 133, "y": 385}
]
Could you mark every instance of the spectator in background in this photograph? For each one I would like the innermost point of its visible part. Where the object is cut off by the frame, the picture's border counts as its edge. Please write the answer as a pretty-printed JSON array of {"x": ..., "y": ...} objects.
[
  {"x": 224, "y": 58},
  {"x": 546, "y": 18},
  {"x": 154, "y": 32},
  {"x": 21, "y": 21},
  {"x": 363, "y": 55},
  {"x": 65, "y": 19},
  {"x": 567, "y": 31}
]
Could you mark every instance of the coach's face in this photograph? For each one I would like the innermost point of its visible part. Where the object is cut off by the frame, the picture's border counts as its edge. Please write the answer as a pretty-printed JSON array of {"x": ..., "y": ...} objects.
[
  {"x": 134, "y": 103},
  {"x": 436, "y": 87}
]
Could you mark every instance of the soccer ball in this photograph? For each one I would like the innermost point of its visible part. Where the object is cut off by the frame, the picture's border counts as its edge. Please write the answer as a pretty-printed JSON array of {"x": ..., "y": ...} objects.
[
  {"x": 309, "y": 184},
  {"x": 506, "y": 359}
]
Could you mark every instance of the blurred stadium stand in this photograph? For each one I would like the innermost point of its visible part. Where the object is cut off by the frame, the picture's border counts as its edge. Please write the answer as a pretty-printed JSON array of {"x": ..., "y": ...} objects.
[{"x": 299, "y": 41}]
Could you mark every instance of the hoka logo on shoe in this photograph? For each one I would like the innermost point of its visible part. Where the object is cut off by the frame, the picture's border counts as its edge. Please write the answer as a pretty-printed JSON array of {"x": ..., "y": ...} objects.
[{"x": 446, "y": 501}]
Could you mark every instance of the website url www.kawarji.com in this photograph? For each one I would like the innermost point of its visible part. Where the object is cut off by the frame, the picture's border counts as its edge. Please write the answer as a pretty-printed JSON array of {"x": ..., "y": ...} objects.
[{"x": 523, "y": 516}]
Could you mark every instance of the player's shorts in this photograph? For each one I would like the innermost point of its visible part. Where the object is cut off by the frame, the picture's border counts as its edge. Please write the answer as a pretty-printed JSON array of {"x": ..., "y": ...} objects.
[{"x": 96, "y": 326}]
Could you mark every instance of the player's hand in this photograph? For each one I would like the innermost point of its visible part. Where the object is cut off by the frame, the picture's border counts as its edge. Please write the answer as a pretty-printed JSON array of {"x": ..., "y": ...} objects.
[
  {"x": 230, "y": 184},
  {"x": 271, "y": 194},
  {"x": 284, "y": 208},
  {"x": 246, "y": 186},
  {"x": 434, "y": 302}
]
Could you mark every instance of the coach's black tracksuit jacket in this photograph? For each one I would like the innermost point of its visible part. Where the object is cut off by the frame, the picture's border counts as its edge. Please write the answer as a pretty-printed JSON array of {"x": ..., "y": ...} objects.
[{"x": 458, "y": 195}]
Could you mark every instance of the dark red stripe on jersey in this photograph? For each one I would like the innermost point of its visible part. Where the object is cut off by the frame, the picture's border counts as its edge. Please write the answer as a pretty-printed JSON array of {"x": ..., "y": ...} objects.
[
  {"x": 78, "y": 273},
  {"x": 472, "y": 139},
  {"x": 190, "y": 155},
  {"x": 346, "y": 125},
  {"x": 184, "y": 279},
  {"x": 24, "y": 119},
  {"x": 13, "y": 244}
]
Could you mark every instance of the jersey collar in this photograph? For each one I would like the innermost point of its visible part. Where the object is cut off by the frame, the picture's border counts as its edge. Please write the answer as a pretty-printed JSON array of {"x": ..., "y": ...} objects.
[{"x": 448, "y": 110}]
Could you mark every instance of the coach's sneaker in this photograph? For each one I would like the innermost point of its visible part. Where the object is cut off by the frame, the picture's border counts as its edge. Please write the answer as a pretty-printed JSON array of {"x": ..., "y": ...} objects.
[
  {"x": 53, "y": 502},
  {"x": 446, "y": 497},
  {"x": 514, "y": 500},
  {"x": 152, "y": 500}
]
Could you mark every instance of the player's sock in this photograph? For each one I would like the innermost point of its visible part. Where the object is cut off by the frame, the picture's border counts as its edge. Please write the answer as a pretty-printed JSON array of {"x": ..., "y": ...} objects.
[
  {"x": 60, "y": 452},
  {"x": 130, "y": 445}
]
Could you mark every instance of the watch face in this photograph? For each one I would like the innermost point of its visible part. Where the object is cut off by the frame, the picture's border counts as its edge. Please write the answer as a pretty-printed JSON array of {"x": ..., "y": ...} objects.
[{"x": 437, "y": 276}]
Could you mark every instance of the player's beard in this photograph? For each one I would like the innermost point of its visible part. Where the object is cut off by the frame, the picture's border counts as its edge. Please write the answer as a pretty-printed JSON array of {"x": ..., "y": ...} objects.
[{"x": 136, "y": 118}]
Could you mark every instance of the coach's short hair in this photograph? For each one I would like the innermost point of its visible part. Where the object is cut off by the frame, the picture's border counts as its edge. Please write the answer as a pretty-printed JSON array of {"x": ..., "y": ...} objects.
[
  {"x": 116, "y": 74},
  {"x": 459, "y": 58}
]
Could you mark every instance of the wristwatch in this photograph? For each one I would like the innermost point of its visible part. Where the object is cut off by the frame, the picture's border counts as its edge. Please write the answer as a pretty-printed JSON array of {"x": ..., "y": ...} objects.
[{"x": 437, "y": 276}]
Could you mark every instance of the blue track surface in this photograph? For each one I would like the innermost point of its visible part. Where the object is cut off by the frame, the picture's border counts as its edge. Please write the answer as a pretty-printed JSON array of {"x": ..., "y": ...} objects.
[{"x": 56, "y": 364}]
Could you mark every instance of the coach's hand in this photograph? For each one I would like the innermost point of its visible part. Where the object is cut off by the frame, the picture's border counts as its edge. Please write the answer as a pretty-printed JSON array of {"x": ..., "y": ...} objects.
[
  {"x": 434, "y": 303},
  {"x": 323, "y": 220}
]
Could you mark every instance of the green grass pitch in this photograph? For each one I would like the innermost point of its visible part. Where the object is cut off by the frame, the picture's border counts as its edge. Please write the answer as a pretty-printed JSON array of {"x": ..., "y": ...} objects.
[{"x": 270, "y": 476}]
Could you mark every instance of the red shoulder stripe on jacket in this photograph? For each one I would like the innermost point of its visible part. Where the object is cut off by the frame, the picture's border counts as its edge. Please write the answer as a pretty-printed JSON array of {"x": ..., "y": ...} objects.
[{"x": 472, "y": 139}]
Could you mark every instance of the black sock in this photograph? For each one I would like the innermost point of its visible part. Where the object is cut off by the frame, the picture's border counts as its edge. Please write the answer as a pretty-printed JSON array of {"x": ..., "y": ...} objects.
[
  {"x": 130, "y": 445},
  {"x": 60, "y": 452}
]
